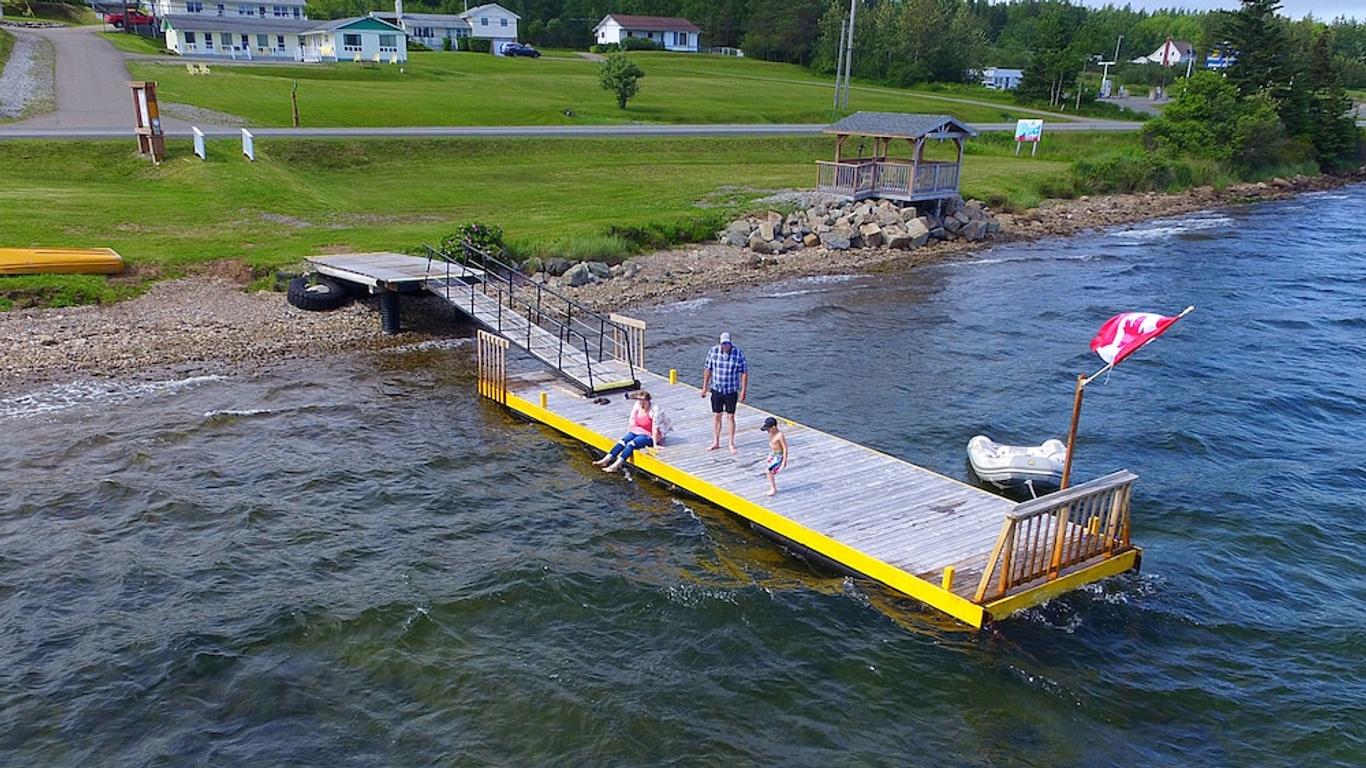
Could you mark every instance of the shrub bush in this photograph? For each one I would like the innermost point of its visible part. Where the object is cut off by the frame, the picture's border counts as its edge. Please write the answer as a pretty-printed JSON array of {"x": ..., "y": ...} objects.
[
  {"x": 604, "y": 48},
  {"x": 480, "y": 44},
  {"x": 641, "y": 44},
  {"x": 445, "y": 44},
  {"x": 414, "y": 45},
  {"x": 462, "y": 43},
  {"x": 486, "y": 237}
]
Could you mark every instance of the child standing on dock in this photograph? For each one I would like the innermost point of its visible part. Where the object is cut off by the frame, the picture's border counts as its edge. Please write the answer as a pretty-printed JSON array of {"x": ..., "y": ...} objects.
[
  {"x": 777, "y": 453},
  {"x": 644, "y": 430}
]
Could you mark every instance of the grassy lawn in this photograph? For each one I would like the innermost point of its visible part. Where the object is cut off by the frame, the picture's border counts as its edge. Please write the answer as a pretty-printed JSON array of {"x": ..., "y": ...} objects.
[
  {"x": 134, "y": 43},
  {"x": 60, "y": 13},
  {"x": 471, "y": 89},
  {"x": 302, "y": 197}
]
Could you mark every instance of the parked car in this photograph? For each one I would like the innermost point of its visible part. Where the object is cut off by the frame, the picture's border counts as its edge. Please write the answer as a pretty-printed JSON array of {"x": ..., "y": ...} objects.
[
  {"x": 520, "y": 49},
  {"x": 136, "y": 18}
]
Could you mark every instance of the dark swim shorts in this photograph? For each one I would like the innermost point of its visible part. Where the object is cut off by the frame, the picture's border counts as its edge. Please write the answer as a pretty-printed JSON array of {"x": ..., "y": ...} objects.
[{"x": 724, "y": 402}]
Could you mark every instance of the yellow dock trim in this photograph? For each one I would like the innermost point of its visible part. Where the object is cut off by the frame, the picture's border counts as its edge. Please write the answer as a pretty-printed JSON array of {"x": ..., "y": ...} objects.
[
  {"x": 1019, "y": 601},
  {"x": 52, "y": 261},
  {"x": 959, "y": 607}
]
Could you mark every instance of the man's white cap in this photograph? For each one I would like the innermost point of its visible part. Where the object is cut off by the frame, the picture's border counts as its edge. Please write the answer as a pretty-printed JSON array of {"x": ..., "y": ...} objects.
[{"x": 725, "y": 338}]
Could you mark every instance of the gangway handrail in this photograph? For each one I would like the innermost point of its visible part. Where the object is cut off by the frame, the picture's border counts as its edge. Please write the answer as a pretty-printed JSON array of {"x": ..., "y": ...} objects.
[{"x": 581, "y": 329}]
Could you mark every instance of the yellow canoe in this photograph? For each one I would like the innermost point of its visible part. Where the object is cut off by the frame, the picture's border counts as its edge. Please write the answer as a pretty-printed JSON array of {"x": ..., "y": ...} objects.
[{"x": 50, "y": 261}]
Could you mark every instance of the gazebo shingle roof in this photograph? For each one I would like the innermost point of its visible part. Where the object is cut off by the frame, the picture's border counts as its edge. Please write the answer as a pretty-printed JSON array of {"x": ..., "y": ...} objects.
[{"x": 899, "y": 125}]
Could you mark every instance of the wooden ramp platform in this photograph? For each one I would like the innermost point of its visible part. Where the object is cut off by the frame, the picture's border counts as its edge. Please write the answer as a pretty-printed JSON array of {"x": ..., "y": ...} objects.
[{"x": 967, "y": 552}]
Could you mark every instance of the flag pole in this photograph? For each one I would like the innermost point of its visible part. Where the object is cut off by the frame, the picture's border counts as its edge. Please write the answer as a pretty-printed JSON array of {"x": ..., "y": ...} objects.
[{"x": 1082, "y": 381}]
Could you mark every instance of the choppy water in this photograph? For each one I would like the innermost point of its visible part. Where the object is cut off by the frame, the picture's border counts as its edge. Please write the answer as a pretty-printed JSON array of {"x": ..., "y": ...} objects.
[{"x": 357, "y": 563}]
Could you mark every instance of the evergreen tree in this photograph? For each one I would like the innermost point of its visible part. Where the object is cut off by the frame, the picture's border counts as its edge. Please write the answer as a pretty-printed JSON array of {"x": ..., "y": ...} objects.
[
  {"x": 1332, "y": 129},
  {"x": 1260, "y": 41}
]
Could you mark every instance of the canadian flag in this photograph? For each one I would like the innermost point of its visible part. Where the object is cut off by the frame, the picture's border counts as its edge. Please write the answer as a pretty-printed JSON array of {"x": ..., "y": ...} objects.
[{"x": 1123, "y": 334}]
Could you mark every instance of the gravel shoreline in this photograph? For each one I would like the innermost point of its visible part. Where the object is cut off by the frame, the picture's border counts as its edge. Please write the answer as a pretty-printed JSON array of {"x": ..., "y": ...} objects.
[
  {"x": 204, "y": 324},
  {"x": 26, "y": 83},
  {"x": 712, "y": 269}
]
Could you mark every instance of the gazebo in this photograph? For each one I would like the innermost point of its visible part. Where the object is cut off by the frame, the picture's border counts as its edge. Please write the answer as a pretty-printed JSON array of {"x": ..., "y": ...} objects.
[{"x": 909, "y": 180}]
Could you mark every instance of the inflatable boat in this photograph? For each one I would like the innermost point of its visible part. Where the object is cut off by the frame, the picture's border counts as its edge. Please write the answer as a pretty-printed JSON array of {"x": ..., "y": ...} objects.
[
  {"x": 1036, "y": 467},
  {"x": 52, "y": 261}
]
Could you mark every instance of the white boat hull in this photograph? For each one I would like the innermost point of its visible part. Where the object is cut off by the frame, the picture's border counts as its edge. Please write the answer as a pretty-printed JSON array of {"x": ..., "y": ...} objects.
[{"x": 1017, "y": 466}]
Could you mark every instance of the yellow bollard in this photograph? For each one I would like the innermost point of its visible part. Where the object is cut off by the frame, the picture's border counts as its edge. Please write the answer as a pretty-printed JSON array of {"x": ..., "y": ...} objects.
[
  {"x": 673, "y": 375},
  {"x": 544, "y": 399},
  {"x": 1094, "y": 527},
  {"x": 947, "y": 582}
]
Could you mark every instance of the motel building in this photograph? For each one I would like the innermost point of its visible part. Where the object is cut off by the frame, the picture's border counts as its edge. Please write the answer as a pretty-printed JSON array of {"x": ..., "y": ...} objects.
[{"x": 279, "y": 30}]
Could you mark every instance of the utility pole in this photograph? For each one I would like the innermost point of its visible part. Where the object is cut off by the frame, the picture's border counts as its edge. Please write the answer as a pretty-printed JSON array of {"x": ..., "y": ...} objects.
[
  {"x": 849, "y": 52},
  {"x": 839, "y": 62}
]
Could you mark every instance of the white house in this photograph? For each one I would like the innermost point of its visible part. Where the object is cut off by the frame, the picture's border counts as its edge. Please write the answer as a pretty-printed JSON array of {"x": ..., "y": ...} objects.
[
  {"x": 253, "y": 37},
  {"x": 271, "y": 9},
  {"x": 673, "y": 33},
  {"x": 362, "y": 38},
  {"x": 1002, "y": 79},
  {"x": 490, "y": 21},
  {"x": 1169, "y": 54}
]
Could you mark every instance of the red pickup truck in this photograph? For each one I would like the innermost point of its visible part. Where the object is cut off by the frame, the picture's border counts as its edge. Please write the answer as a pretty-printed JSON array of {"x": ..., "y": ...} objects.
[{"x": 136, "y": 18}]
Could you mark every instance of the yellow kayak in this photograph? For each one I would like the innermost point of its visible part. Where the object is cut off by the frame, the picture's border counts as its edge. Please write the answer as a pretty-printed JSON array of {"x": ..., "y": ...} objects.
[{"x": 49, "y": 261}]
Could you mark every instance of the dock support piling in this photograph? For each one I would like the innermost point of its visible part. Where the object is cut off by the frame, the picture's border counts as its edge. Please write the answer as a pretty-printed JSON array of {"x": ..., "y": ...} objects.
[
  {"x": 947, "y": 581},
  {"x": 545, "y": 400},
  {"x": 673, "y": 375},
  {"x": 389, "y": 312}
]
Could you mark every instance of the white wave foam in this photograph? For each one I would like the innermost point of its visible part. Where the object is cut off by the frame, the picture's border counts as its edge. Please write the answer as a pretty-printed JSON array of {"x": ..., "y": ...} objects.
[
  {"x": 237, "y": 412},
  {"x": 79, "y": 393},
  {"x": 1173, "y": 227}
]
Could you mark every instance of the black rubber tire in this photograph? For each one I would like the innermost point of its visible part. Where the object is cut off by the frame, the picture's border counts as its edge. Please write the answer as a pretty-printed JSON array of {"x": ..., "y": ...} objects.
[{"x": 318, "y": 294}]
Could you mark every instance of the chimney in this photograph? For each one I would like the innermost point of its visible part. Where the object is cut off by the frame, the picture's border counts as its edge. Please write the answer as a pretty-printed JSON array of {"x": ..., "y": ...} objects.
[{"x": 398, "y": 12}]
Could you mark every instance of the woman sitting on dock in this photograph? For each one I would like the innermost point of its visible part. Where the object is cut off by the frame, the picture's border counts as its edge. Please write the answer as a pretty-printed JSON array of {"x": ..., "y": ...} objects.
[{"x": 644, "y": 431}]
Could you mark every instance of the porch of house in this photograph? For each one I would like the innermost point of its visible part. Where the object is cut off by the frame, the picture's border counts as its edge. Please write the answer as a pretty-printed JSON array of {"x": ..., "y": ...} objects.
[{"x": 912, "y": 179}]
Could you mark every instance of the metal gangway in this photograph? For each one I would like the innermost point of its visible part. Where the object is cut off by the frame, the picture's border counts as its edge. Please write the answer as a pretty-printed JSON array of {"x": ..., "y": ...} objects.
[{"x": 596, "y": 352}]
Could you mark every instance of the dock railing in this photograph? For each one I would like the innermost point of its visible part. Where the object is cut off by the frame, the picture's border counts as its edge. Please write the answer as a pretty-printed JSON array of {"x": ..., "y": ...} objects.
[
  {"x": 1042, "y": 538},
  {"x": 872, "y": 178},
  {"x": 582, "y": 334}
]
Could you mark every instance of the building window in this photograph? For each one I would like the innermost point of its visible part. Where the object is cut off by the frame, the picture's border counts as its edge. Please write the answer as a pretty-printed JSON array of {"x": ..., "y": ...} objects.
[
  {"x": 220, "y": 9},
  {"x": 504, "y": 21},
  {"x": 388, "y": 43},
  {"x": 462, "y": 33},
  {"x": 246, "y": 10},
  {"x": 483, "y": 21},
  {"x": 261, "y": 11},
  {"x": 194, "y": 7},
  {"x": 296, "y": 13},
  {"x": 280, "y": 42},
  {"x": 208, "y": 41},
  {"x": 351, "y": 43},
  {"x": 681, "y": 38},
  {"x": 225, "y": 38},
  {"x": 189, "y": 38},
  {"x": 263, "y": 41}
]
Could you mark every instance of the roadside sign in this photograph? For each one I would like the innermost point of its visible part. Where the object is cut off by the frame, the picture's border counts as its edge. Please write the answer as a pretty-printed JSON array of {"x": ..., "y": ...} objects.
[
  {"x": 248, "y": 145},
  {"x": 199, "y": 143},
  {"x": 1028, "y": 132}
]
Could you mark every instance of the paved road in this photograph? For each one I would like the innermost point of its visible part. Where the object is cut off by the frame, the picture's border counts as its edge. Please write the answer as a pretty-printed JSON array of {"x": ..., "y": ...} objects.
[
  {"x": 24, "y": 131},
  {"x": 91, "y": 83}
]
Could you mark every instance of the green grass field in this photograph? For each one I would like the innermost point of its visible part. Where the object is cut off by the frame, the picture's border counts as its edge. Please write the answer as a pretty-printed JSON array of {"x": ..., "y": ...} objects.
[
  {"x": 60, "y": 13},
  {"x": 470, "y": 89},
  {"x": 303, "y": 197},
  {"x": 134, "y": 43}
]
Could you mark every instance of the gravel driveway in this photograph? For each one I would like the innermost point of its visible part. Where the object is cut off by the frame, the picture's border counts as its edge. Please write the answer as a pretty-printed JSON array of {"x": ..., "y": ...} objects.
[{"x": 26, "y": 83}]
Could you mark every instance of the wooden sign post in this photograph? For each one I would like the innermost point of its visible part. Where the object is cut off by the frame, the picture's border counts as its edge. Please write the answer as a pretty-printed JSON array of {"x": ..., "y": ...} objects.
[{"x": 147, "y": 120}]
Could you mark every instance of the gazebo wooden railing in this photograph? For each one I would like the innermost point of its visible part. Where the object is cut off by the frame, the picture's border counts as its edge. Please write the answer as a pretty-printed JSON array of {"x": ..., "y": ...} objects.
[{"x": 861, "y": 179}]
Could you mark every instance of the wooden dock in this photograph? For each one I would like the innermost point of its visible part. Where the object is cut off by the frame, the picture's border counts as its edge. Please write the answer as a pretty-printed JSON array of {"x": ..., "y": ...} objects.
[{"x": 963, "y": 550}]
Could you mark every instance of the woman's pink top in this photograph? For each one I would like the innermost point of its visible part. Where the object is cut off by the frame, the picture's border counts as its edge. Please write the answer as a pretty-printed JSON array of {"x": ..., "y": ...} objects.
[{"x": 641, "y": 423}]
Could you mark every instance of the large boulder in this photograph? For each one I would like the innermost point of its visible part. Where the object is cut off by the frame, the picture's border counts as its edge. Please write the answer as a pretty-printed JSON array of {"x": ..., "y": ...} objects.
[
  {"x": 974, "y": 230},
  {"x": 767, "y": 231},
  {"x": 810, "y": 240},
  {"x": 836, "y": 240},
  {"x": 600, "y": 269},
  {"x": 578, "y": 275},
  {"x": 759, "y": 244},
  {"x": 557, "y": 266},
  {"x": 871, "y": 234},
  {"x": 917, "y": 228},
  {"x": 897, "y": 238}
]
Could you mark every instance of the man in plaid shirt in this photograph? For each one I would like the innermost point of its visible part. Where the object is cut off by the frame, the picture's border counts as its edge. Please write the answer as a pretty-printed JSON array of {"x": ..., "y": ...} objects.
[{"x": 726, "y": 377}]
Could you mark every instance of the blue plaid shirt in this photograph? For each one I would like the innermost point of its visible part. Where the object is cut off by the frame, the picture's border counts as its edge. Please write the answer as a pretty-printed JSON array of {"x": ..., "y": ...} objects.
[{"x": 726, "y": 369}]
